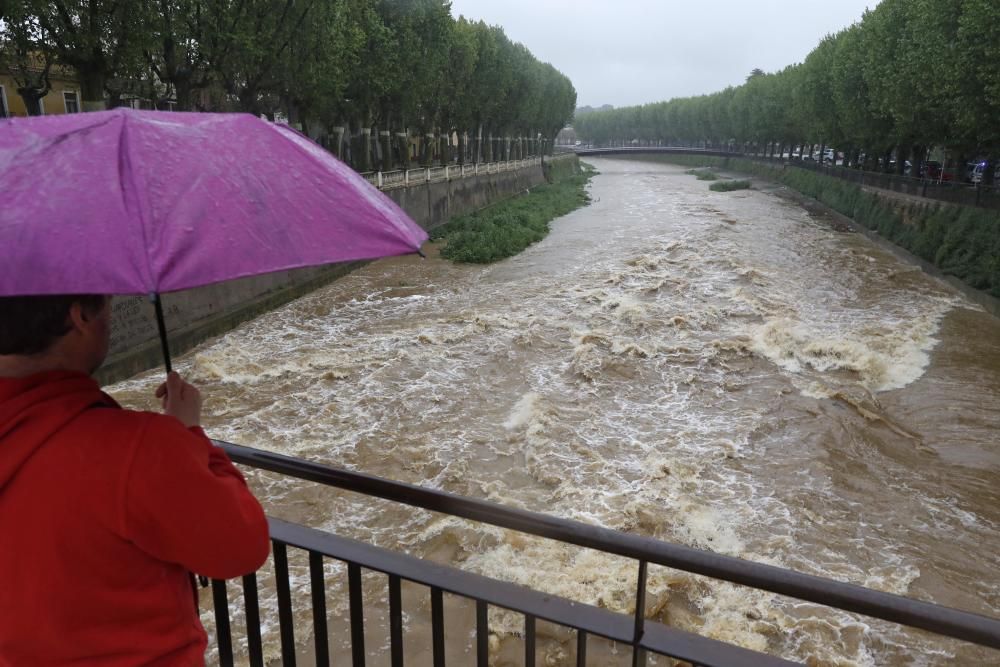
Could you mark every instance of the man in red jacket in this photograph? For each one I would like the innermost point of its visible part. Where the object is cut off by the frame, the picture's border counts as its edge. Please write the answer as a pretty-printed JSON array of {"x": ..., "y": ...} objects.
[{"x": 104, "y": 512}]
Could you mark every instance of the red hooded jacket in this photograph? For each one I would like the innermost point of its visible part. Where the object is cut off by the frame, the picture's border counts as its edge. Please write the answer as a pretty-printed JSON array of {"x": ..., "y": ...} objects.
[{"x": 103, "y": 513}]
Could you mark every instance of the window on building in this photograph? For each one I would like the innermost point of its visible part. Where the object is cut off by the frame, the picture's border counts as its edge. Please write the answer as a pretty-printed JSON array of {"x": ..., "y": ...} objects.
[
  {"x": 4, "y": 110},
  {"x": 72, "y": 101}
]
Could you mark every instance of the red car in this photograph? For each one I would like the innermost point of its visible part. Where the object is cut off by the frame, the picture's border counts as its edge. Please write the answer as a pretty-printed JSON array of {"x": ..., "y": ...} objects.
[{"x": 931, "y": 170}]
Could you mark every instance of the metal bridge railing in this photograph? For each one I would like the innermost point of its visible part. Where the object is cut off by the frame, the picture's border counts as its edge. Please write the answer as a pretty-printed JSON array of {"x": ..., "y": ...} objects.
[{"x": 641, "y": 634}]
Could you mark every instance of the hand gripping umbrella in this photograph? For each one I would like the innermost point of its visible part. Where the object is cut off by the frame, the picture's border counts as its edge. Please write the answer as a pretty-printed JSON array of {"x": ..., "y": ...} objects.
[{"x": 147, "y": 202}]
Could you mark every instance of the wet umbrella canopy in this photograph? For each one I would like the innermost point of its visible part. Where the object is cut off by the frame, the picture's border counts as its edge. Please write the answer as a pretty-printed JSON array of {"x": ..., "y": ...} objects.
[{"x": 145, "y": 202}]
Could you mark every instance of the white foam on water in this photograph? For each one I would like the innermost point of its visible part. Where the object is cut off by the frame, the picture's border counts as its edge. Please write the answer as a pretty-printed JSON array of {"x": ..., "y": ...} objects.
[
  {"x": 627, "y": 392},
  {"x": 882, "y": 359}
]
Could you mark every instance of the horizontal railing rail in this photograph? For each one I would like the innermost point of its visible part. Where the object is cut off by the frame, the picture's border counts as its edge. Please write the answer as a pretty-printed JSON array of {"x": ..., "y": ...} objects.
[
  {"x": 392, "y": 179},
  {"x": 848, "y": 597},
  {"x": 388, "y": 180}
]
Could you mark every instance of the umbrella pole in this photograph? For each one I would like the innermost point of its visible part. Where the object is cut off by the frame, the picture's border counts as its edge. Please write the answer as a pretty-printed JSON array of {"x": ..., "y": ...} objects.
[{"x": 161, "y": 325}]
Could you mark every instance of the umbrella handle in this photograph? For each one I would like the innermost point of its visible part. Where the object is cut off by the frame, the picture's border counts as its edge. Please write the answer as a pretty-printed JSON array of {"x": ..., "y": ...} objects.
[{"x": 161, "y": 325}]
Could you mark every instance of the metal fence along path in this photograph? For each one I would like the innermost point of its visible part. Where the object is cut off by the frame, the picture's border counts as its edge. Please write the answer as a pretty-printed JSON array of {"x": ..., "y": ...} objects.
[{"x": 389, "y": 180}]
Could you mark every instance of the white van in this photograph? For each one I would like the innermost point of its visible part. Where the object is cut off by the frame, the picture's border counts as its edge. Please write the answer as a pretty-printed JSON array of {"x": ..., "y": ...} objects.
[{"x": 976, "y": 173}]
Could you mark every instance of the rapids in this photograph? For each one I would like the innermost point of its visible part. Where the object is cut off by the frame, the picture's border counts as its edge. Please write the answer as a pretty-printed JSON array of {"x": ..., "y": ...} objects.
[{"x": 724, "y": 370}]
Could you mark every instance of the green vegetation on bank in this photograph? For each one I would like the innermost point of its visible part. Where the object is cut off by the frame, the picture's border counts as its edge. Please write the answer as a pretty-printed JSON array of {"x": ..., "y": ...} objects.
[
  {"x": 962, "y": 241},
  {"x": 706, "y": 175},
  {"x": 910, "y": 75},
  {"x": 506, "y": 228},
  {"x": 729, "y": 186}
]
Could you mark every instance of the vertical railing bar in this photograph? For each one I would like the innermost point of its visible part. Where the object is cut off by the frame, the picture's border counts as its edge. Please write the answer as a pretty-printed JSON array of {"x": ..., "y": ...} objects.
[
  {"x": 529, "y": 640},
  {"x": 284, "y": 604},
  {"x": 638, "y": 655},
  {"x": 318, "y": 586},
  {"x": 396, "y": 620},
  {"x": 224, "y": 638},
  {"x": 437, "y": 625},
  {"x": 255, "y": 648},
  {"x": 357, "y": 614},
  {"x": 581, "y": 648},
  {"x": 482, "y": 634}
]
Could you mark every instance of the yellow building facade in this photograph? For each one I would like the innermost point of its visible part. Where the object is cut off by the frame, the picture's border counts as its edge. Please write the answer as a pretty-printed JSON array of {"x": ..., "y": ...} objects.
[{"x": 63, "y": 98}]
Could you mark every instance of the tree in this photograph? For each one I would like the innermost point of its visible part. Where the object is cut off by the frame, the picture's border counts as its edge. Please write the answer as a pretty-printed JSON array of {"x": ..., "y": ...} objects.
[
  {"x": 975, "y": 96},
  {"x": 25, "y": 54},
  {"x": 94, "y": 37},
  {"x": 248, "y": 40}
]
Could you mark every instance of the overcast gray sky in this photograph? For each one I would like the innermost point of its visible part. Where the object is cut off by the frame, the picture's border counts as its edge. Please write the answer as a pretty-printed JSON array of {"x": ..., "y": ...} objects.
[{"x": 625, "y": 52}]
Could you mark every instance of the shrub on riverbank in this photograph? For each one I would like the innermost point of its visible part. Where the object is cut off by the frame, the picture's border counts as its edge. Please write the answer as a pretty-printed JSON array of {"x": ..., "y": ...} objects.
[
  {"x": 962, "y": 241},
  {"x": 729, "y": 186},
  {"x": 703, "y": 174},
  {"x": 507, "y": 228}
]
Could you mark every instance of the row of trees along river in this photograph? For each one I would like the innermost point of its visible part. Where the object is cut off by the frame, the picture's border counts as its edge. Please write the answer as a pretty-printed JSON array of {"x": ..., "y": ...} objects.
[
  {"x": 912, "y": 74},
  {"x": 350, "y": 72}
]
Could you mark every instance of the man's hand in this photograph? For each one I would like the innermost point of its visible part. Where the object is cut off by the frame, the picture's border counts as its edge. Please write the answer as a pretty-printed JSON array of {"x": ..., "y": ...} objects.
[{"x": 181, "y": 400}]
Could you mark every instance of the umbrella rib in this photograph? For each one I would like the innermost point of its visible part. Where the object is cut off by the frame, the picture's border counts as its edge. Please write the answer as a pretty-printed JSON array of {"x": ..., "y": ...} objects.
[{"x": 124, "y": 174}]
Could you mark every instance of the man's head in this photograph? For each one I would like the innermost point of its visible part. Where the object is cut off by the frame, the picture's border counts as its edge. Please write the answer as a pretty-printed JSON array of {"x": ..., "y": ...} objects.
[{"x": 68, "y": 332}]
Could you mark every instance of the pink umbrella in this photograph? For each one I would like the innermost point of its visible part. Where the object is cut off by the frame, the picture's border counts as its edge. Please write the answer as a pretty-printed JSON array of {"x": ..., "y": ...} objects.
[{"x": 145, "y": 202}]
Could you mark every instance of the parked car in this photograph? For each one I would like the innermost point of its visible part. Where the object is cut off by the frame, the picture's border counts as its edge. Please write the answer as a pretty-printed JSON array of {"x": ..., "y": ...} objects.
[
  {"x": 931, "y": 170},
  {"x": 907, "y": 167}
]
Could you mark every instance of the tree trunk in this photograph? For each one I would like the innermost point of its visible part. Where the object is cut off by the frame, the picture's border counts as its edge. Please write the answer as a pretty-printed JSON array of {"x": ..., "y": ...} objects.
[
  {"x": 444, "y": 146},
  {"x": 363, "y": 156},
  {"x": 427, "y": 150},
  {"x": 385, "y": 139},
  {"x": 337, "y": 145},
  {"x": 32, "y": 100},
  {"x": 902, "y": 154},
  {"x": 403, "y": 150},
  {"x": 92, "y": 91},
  {"x": 182, "y": 93},
  {"x": 917, "y": 156}
]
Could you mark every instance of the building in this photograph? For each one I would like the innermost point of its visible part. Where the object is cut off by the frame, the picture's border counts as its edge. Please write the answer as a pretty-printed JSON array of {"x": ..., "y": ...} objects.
[{"x": 64, "y": 97}]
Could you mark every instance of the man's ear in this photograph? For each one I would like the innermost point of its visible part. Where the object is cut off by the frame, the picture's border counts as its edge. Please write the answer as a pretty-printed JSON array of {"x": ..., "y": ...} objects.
[{"x": 78, "y": 319}]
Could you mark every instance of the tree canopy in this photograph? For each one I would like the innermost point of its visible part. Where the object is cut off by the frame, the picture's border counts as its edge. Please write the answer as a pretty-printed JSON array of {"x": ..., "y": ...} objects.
[
  {"x": 395, "y": 66},
  {"x": 909, "y": 75}
]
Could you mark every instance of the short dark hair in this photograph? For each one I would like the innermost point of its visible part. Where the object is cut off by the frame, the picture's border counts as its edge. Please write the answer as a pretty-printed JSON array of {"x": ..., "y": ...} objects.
[{"x": 31, "y": 324}]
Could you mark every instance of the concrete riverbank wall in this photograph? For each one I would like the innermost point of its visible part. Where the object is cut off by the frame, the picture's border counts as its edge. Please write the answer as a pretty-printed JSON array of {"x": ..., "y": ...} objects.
[{"x": 195, "y": 315}]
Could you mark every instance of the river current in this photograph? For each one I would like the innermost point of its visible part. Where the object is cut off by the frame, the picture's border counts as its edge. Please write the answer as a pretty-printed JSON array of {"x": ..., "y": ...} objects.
[{"x": 729, "y": 371}]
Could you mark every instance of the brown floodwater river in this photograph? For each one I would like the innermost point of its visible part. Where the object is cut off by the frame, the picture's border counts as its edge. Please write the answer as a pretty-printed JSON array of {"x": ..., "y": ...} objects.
[{"x": 724, "y": 370}]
